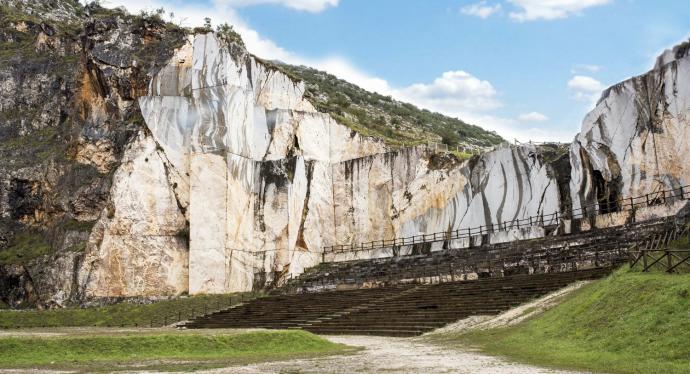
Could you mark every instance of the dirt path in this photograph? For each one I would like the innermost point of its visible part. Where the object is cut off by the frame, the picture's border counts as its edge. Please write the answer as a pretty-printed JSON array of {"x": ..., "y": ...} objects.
[{"x": 391, "y": 355}]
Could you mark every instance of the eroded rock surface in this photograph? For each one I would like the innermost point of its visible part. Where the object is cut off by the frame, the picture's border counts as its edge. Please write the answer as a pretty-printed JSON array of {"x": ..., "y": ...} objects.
[
  {"x": 140, "y": 159},
  {"x": 637, "y": 139},
  {"x": 69, "y": 78},
  {"x": 270, "y": 182}
]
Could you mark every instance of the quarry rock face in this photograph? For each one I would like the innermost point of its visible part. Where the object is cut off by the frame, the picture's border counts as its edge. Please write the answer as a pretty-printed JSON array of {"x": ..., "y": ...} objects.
[
  {"x": 268, "y": 182},
  {"x": 139, "y": 159},
  {"x": 136, "y": 247},
  {"x": 637, "y": 139},
  {"x": 240, "y": 138},
  {"x": 68, "y": 112}
]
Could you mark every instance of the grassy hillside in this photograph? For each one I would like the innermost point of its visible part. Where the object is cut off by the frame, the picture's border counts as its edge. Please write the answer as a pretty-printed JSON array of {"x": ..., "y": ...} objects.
[
  {"x": 150, "y": 350},
  {"x": 123, "y": 314},
  {"x": 381, "y": 116},
  {"x": 628, "y": 323}
]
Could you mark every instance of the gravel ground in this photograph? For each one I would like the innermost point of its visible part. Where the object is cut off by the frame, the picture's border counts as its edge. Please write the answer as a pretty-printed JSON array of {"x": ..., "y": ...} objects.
[{"x": 391, "y": 355}]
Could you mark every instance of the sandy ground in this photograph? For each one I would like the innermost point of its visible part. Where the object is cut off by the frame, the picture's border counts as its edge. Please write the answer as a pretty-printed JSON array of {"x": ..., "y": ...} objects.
[{"x": 391, "y": 355}]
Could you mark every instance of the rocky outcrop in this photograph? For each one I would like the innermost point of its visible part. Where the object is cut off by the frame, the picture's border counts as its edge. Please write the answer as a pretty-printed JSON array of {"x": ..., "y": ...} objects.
[
  {"x": 637, "y": 139},
  {"x": 245, "y": 148},
  {"x": 142, "y": 160},
  {"x": 69, "y": 77},
  {"x": 136, "y": 248},
  {"x": 269, "y": 182}
]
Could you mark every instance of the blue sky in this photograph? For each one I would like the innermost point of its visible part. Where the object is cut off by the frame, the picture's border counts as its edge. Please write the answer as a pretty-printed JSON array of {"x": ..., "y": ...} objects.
[{"x": 529, "y": 69}]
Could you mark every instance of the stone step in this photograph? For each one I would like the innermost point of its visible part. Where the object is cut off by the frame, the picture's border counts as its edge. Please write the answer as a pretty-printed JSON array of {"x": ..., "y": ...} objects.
[{"x": 394, "y": 311}]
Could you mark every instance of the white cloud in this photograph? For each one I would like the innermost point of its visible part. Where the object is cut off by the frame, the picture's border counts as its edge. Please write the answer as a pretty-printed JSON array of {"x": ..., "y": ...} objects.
[
  {"x": 530, "y": 10},
  {"x": 480, "y": 9},
  {"x": 585, "y": 88},
  {"x": 313, "y": 6},
  {"x": 585, "y": 83},
  {"x": 455, "y": 93},
  {"x": 451, "y": 91},
  {"x": 533, "y": 117}
]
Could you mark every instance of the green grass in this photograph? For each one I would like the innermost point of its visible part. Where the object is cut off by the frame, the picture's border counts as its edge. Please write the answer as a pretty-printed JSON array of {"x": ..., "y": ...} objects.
[
  {"x": 160, "y": 350},
  {"x": 24, "y": 247},
  {"x": 627, "y": 323},
  {"x": 462, "y": 155},
  {"x": 123, "y": 314},
  {"x": 680, "y": 243}
]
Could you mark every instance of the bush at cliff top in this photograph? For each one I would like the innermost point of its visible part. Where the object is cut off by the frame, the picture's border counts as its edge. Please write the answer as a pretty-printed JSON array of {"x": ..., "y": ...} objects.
[{"x": 627, "y": 323}]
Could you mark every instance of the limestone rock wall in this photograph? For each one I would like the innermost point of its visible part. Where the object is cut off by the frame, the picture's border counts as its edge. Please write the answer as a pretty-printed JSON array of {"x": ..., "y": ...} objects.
[
  {"x": 637, "y": 138},
  {"x": 241, "y": 141},
  {"x": 155, "y": 163},
  {"x": 137, "y": 247},
  {"x": 68, "y": 112},
  {"x": 415, "y": 192},
  {"x": 267, "y": 182}
]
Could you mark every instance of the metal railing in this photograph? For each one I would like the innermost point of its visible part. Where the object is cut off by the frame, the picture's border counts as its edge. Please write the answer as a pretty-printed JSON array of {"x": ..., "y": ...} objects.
[
  {"x": 608, "y": 254},
  {"x": 530, "y": 142},
  {"x": 543, "y": 220}
]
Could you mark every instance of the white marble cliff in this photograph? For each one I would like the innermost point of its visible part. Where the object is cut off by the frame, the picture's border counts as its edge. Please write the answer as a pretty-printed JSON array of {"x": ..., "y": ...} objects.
[
  {"x": 637, "y": 139},
  {"x": 238, "y": 162}
]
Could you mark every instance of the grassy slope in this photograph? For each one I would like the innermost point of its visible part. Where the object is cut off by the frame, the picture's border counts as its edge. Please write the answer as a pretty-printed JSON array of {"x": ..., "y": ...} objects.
[
  {"x": 123, "y": 314},
  {"x": 627, "y": 323},
  {"x": 155, "y": 350},
  {"x": 380, "y": 116}
]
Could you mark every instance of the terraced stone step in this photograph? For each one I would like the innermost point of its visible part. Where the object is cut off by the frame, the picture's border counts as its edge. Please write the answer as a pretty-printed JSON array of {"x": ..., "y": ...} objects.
[
  {"x": 583, "y": 249},
  {"x": 395, "y": 311}
]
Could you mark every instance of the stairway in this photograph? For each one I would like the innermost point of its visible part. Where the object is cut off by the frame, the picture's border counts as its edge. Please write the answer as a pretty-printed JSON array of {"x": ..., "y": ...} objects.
[{"x": 404, "y": 310}]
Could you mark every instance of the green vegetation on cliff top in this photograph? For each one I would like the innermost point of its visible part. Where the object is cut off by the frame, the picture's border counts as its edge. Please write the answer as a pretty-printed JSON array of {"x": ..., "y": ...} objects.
[
  {"x": 370, "y": 114},
  {"x": 381, "y": 116},
  {"x": 630, "y": 322}
]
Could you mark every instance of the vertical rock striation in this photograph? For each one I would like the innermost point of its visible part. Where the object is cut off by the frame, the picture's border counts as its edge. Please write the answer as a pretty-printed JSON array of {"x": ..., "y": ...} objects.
[
  {"x": 140, "y": 159},
  {"x": 269, "y": 182},
  {"x": 637, "y": 138}
]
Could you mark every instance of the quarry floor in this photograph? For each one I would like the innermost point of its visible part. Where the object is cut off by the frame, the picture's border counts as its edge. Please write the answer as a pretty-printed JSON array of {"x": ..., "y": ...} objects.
[{"x": 391, "y": 355}]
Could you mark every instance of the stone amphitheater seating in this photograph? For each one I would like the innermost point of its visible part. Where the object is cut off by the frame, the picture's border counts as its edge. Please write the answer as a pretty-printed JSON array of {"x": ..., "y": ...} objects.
[
  {"x": 590, "y": 249},
  {"x": 410, "y": 295},
  {"x": 403, "y": 310}
]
